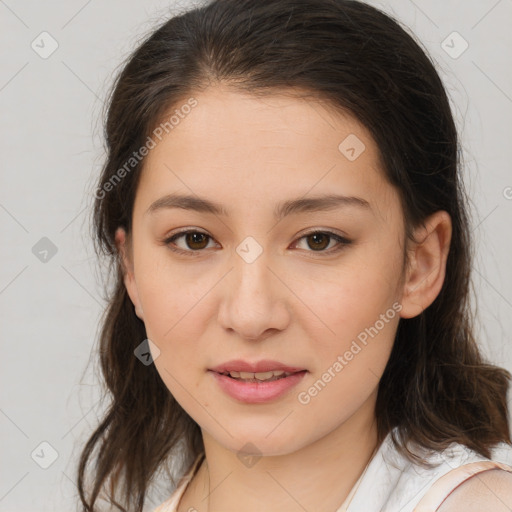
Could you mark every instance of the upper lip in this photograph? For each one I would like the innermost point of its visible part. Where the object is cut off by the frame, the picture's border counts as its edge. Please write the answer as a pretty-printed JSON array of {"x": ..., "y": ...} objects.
[{"x": 239, "y": 365}]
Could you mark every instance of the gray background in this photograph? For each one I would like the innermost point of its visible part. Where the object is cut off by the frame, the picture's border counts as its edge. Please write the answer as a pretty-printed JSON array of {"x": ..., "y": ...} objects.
[{"x": 51, "y": 108}]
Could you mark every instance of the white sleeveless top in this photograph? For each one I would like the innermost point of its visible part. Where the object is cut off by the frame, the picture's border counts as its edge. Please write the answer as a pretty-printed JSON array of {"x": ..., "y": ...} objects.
[{"x": 392, "y": 483}]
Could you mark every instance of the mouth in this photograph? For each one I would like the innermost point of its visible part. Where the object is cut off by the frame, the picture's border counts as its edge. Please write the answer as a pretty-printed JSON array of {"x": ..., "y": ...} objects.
[
  {"x": 257, "y": 387},
  {"x": 240, "y": 368},
  {"x": 256, "y": 377}
]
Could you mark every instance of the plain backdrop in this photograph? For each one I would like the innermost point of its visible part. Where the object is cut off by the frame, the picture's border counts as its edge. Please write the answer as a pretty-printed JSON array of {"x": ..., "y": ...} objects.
[{"x": 52, "y": 151}]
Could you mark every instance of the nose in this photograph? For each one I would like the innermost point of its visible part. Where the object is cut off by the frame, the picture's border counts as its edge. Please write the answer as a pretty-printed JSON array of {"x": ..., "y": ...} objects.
[{"x": 254, "y": 301}]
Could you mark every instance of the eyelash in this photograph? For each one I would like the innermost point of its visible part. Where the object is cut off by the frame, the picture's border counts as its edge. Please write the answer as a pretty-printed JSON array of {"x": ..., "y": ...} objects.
[{"x": 342, "y": 241}]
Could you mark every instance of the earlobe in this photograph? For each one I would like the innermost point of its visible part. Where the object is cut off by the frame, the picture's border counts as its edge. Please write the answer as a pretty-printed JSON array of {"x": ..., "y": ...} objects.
[
  {"x": 124, "y": 252},
  {"x": 427, "y": 264}
]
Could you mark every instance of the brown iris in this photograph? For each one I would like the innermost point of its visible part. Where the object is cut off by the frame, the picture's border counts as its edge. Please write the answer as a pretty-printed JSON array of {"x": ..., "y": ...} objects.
[
  {"x": 321, "y": 240},
  {"x": 196, "y": 238}
]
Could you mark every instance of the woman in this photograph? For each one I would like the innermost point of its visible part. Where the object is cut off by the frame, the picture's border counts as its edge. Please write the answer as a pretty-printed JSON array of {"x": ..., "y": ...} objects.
[{"x": 290, "y": 322}]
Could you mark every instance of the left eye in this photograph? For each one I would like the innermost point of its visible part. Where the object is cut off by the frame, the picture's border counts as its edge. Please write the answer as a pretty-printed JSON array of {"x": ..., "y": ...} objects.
[
  {"x": 196, "y": 241},
  {"x": 320, "y": 240}
]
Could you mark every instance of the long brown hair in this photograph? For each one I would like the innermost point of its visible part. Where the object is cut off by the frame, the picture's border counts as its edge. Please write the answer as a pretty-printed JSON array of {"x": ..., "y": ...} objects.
[{"x": 436, "y": 388}]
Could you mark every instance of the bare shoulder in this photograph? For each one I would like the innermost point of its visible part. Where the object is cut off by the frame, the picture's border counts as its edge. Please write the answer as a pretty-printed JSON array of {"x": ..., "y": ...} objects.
[{"x": 489, "y": 490}]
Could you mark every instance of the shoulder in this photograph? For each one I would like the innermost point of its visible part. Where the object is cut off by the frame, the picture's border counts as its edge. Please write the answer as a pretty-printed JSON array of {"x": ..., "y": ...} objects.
[
  {"x": 489, "y": 490},
  {"x": 459, "y": 479}
]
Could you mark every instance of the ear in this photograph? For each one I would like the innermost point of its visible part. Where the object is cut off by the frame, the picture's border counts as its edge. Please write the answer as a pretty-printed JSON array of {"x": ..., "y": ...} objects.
[
  {"x": 125, "y": 254},
  {"x": 427, "y": 264}
]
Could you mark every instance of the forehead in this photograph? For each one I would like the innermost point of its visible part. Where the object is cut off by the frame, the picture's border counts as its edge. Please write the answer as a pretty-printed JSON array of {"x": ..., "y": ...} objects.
[{"x": 240, "y": 147}]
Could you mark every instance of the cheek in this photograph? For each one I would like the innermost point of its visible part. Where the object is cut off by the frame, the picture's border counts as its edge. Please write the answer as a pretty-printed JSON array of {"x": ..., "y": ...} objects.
[
  {"x": 361, "y": 309},
  {"x": 347, "y": 365},
  {"x": 172, "y": 322},
  {"x": 170, "y": 294},
  {"x": 346, "y": 301}
]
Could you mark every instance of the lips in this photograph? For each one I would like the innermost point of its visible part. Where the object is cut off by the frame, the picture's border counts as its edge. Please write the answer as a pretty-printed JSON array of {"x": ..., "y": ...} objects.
[
  {"x": 239, "y": 365},
  {"x": 261, "y": 389}
]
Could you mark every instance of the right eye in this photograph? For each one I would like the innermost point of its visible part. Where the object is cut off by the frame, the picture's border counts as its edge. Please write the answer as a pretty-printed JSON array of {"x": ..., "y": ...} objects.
[{"x": 194, "y": 241}]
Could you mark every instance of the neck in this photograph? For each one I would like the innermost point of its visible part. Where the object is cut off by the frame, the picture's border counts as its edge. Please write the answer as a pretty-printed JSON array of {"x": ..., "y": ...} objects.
[{"x": 323, "y": 471}]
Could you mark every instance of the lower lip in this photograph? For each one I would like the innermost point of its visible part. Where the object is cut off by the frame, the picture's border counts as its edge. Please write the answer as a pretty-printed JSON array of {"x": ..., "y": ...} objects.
[{"x": 257, "y": 392}]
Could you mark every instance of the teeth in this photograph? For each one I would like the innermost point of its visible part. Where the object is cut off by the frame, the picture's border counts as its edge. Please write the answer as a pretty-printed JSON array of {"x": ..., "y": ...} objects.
[{"x": 260, "y": 376}]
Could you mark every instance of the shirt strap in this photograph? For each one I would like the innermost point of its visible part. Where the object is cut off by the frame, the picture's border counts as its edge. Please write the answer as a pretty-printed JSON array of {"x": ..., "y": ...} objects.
[
  {"x": 445, "y": 485},
  {"x": 172, "y": 503}
]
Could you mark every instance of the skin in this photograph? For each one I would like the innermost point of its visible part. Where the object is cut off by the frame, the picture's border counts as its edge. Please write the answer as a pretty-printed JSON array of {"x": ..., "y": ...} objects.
[
  {"x": 294, "y": 303},
  {"x": 490, "y": 490}
]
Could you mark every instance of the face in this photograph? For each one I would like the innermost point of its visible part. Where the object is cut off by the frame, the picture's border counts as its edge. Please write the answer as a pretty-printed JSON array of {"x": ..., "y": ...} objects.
[{"x": 275, "y": 272}]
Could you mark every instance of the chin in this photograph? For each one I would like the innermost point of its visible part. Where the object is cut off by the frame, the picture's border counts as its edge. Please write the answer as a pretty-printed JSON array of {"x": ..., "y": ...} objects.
[{"x": 260, "y": 444}]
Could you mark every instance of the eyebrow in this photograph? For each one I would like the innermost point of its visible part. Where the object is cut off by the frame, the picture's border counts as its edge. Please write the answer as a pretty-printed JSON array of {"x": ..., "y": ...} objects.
[{"x": 293, "y": 206}]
